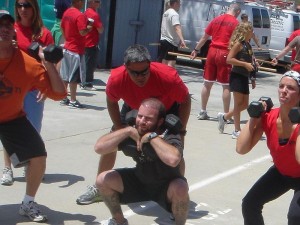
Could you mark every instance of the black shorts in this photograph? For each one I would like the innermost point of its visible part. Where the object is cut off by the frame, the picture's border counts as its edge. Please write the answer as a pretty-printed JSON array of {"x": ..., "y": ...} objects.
[
  {"x": 239, "y": 83},
  {"x": 135, "y": 191},
  {"x": 164, "y": 48},
  {"x": 21, "y": 141}
]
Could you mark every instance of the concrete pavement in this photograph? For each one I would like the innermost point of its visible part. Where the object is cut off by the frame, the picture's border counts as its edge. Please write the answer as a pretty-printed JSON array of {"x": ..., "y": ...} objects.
[{"x": 217, "y": 175}]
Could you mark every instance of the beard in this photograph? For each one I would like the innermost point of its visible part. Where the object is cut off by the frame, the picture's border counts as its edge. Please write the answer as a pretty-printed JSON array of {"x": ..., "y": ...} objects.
[{"x": 144, "y": 130}]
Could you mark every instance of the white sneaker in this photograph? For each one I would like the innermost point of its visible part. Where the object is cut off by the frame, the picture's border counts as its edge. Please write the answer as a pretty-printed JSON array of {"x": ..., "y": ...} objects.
[
  {"x": 114, "y": 222},
  {"x": 32, "y": 211},
  {"x": 221, "y": 122},
  {"x": 7, "y": 177},
  {"x": 235, "y": 134},
  {"x": 202, "y": 115}
]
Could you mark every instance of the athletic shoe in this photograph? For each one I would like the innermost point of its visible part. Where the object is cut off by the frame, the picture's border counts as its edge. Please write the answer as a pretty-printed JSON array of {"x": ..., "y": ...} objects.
[
  {"x": 32, "y": 211},
  {"x": 7, "y": 177},
  {"x": 221, "y": 122},
  {"x": 90, "y": 196},
  {"x": 75, "y": 105},
  {"x": 235, "y": 134},
  {"x": 114, "y": 222},
  {"x": 202, "y": 115},
  {"x": 88, "y": 87},
  {"x": 230, "y": 121},
  {"x": 65, "y": 101}
]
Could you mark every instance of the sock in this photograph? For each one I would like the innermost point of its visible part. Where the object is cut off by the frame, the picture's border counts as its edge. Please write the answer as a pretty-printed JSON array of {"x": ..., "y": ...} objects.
[{"x": 28, "y": 199}]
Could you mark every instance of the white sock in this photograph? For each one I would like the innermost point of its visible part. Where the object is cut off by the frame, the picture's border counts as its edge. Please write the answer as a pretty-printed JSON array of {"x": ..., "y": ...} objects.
[{"x": 28, "y": 199}]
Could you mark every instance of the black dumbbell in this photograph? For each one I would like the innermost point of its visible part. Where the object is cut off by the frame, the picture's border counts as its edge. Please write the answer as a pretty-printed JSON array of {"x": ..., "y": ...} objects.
[
  {"x": 294, "y": 115},
  {"x": 52, "y": 53},
  {"x": 172, "y": 123},
  {"x": 130, "y": 117},
  {"x": 256, "y": 108}
]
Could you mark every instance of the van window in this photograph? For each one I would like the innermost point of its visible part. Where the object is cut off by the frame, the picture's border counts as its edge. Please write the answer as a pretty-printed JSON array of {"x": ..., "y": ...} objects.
[
  {"x": 296, "y": 22},
  {"x": 256, "y": 18},
  {"x": 265, "y": 18}
]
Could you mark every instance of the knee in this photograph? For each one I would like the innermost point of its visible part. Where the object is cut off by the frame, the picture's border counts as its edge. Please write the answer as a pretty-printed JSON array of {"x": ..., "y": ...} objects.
[
  {"x": 251, "y": 205},
  {"x": 179, "y": 189}
]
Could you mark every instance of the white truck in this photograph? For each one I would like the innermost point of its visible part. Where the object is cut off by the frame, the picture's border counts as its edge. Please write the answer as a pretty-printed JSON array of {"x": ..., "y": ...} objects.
[
  {"x": 195, "y": 15},
  {"x": 284, "y": 21}
]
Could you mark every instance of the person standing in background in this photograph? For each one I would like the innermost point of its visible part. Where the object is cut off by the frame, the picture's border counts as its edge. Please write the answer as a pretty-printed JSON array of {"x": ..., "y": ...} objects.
[
  {"x": 29, "y": 28},
  {"x": 171, "y": 34},
  {"x": 216, "y": 69},
  {"x": 60, "y": 6},
  {"x": 244, "y": 18},
  {"x": 91, "y": 42},
  {"x": 75, "y": 26}
]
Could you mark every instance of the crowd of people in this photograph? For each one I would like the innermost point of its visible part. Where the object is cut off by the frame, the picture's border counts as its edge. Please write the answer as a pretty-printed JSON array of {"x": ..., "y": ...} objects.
[{"x": 153, "y": 90}]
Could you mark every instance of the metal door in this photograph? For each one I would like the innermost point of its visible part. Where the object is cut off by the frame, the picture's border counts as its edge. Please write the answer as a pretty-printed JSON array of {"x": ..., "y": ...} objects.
[{"x": 136, "y": 22}]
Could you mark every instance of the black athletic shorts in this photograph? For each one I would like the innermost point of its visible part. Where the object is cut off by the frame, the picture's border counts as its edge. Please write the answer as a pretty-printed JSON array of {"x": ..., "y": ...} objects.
[
  {"x": 21, "y": 141},
  {"x": 239, "y": 83},
  {"x": 135, "y": 191},
  {"x": 164, "y": 48}
]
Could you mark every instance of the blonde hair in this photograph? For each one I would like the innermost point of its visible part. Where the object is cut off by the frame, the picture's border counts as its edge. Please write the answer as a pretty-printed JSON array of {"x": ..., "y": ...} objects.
[
  {"x": 36, "y": 23},
  {"x": 240, "y": 32}
]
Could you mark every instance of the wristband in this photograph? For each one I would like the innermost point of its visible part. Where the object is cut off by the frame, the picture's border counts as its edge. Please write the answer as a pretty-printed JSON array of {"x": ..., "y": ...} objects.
[{"x": 196, "y": 50}]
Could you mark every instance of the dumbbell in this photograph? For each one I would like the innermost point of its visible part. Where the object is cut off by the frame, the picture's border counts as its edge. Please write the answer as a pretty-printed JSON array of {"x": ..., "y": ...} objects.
[
  {"x": 172, "y": 123},
  {"x": 294, "y": 115},
  {"x": 52, "y": 53},
  {"x": 256, "y": 108},
  {"x": 130, "y": 117}
]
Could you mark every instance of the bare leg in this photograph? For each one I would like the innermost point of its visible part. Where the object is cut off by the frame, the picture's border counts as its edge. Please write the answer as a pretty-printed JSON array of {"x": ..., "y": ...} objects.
[
  {"x": 205, "y": 93},
  {"x": 35, "y": 172},
  {"x": 73, "y": 89},
  {"x": 106, "y": 162},
  {"x": 240, "y": 104},
  {"x": 110, "y": 185},
  {"x": 226, "y": 98},
  {"x": 7, "y": 162},
  {"x": 178, "y": 196}
]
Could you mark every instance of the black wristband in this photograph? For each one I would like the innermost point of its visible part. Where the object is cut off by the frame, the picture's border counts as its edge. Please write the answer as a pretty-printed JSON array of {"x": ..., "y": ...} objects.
[{"x": 196, "y": 50}]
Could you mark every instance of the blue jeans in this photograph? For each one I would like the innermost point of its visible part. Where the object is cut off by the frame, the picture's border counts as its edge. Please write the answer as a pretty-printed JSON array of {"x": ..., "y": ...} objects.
[{"x": 34, "y": 110}]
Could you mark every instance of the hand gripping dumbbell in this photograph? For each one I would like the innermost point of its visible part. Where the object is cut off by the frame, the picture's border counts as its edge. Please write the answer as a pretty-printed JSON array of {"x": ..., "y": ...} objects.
[
  {"x": 256, "y": 108},
  {"x": 52, "y": 53},
  {"x": 294, "y": 115}
]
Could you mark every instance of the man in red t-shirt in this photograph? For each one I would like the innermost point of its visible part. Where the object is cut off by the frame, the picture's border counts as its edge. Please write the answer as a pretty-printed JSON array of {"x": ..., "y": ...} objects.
[
  {"x": 74, "y": 26},
  {"x": 136, "y": 80},
  {"x": 293, "y": 35},
  {"x": 91, "y": 42},
  {"x": 216, "y": 69}
]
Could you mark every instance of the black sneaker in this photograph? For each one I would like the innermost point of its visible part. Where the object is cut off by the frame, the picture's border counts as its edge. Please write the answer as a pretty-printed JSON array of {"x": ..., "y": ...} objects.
[
  {"x": 65, "y": 101},
  {"x": 75, "y": 105}
]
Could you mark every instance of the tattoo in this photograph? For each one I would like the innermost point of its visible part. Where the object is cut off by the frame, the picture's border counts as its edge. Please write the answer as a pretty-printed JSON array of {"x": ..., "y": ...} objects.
[
  {"x": 113, "y": 203},
  {"x": 180, "y": 211}
]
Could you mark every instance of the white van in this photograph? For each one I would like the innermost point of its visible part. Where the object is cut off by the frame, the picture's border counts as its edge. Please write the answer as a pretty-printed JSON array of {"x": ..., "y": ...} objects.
[
  {"x": 195, "y": 15},
  {"x": 283, "y": 23}
]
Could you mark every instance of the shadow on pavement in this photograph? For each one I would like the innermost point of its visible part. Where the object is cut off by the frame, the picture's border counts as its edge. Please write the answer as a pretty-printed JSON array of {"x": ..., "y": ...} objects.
[
  {"x": 56, "y": 178},
  {"x": 10, "y": 216}
]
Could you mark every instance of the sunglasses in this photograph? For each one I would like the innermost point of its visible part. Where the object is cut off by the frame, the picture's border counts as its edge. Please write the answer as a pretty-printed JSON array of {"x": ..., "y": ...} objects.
[
  {"x": 293, "y": 74},
  {"x": 139, "y": 73},
  {"x": 25, "y": 5}
]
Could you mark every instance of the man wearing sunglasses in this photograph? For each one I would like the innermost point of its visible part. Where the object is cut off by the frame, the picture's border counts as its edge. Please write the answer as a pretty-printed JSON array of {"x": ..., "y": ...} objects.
[{"x": 136, "y": 80}]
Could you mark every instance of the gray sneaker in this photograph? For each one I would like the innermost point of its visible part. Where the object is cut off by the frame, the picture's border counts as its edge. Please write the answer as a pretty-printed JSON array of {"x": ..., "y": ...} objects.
[
  {"x": 114, "y": 222},
  {"x": 32, "y": 211},
  {"x": 235, "y": 134},
  {"x": 202, "y": 116},
  {"x": 221, "y": 122},
  {"x": 90, "y": 196},
  {"x": 7, "y": 177}
]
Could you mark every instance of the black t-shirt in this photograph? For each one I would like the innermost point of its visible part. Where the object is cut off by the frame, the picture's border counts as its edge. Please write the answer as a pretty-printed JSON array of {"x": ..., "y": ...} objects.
[{"x": 149, "y": 168}]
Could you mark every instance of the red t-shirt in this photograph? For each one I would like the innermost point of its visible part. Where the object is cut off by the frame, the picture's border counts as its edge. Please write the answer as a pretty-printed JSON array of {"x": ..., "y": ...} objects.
[
  {"x": 72, "y": 22},
  {"x": 293, "y": 35},
  {"x": 283, "y": 156},
  {"x": 22, "y": 74},
  {"x": 164, "y": 84},
  {"x": 92, "y": 38},
  {"x": 220, "y": 29},
  {"x": 24, "y": 37}
]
